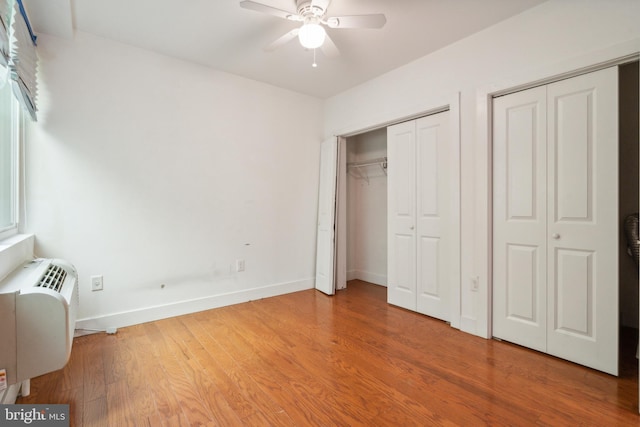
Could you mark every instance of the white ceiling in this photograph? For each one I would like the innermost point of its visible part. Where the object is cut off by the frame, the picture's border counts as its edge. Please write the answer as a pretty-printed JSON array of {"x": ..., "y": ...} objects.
[{"x": 221, "y": 35}]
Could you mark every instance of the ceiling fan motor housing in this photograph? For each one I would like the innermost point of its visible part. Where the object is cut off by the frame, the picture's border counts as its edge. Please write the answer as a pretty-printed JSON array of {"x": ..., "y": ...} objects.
[{"x": 313, "y": 8}]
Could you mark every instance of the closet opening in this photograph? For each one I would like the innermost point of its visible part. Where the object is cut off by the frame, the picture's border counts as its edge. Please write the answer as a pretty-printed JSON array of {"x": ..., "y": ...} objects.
[
  {"x": 389, "y": 211},
  {"x": 629, "y": 205},
  {"x": 401, "y": 221},
  {"x": 366, "y": 205}
]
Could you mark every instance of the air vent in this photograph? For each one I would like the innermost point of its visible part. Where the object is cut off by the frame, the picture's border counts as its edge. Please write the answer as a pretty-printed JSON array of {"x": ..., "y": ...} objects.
[{"x": 53, "y": 278}]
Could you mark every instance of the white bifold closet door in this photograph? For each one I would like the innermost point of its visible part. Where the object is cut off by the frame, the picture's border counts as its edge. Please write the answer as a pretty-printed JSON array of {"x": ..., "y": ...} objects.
[
  {"x": 419, "y": 221},
  {"x": 326, "y": 249},
  {"x": 555, "y": 227}
]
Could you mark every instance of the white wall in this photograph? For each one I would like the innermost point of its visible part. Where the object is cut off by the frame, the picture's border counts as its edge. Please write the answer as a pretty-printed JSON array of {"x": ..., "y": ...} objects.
[
  {"x": 150, "y": 171},
  {"x": 367, "y": 210},
  {"x": 556, "y": 37}
]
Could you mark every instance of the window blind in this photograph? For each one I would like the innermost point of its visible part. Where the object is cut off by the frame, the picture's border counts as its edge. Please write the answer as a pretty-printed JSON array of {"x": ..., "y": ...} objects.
[
  {"x": 23, "y": 59},
  {"x": 5, "y": 19}
]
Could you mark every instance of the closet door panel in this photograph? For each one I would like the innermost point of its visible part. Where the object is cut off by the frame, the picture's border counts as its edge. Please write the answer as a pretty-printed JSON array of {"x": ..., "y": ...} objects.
[
  {"x": 433, "y": 216},
  {"x": 522, "y": 162},
  {"x": 429, "y": 268},
  {"x": 519, "y": 218},
  {"x": 574, "y": 292},
  {"x": 522, "y": 284},
  {"x": 583, "y": 220},
  {"x": 573, "y": 166},
  {"x": 401, "y": 215},
  {"x": 429, "y": 141},
  {"x": 325, "y": 249}
]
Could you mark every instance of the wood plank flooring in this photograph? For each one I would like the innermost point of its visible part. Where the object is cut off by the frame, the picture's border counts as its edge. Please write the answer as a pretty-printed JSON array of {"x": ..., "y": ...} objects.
[{"x": 306, "y": 359}]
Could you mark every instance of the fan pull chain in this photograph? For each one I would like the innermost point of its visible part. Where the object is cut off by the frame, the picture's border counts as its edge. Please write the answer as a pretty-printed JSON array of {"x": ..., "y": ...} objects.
[{"x": 314, "y": 65}]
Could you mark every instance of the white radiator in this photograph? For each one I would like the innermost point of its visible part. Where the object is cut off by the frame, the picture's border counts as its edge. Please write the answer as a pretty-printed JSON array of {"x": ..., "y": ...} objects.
[{"x": 38, "y": 310}]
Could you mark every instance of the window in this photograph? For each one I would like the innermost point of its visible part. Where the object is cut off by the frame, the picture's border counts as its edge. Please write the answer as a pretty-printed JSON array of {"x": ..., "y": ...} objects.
[{"x": 9, "y": 141}]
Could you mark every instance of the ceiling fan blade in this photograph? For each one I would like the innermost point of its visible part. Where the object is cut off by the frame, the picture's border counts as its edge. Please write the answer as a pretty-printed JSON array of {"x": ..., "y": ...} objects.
[
  {"x": 357, "y": 21},
  {"x": 259, "y": 7},
  {"x": 329, "y": 48},
  {"x": 282, "y": 40}
]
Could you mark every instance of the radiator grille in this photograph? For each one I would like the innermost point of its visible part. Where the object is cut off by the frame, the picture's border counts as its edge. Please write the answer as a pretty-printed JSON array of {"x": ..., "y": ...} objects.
[{"x": 53, "y": 278}]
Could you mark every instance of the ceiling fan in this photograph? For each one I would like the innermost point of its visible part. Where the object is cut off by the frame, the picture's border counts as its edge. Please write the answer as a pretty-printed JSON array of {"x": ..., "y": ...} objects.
[{"x": 312, "y": 14}]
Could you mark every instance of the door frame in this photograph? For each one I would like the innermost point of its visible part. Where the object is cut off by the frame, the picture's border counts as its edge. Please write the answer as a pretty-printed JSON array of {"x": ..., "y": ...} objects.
[
  {"x": 452, "y": 104},
  {"x": 477, "y": 320}
]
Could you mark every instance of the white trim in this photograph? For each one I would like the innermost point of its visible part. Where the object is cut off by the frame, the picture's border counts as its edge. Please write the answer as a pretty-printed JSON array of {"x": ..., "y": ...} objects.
[
  {"x": 341, "y": 222},
  {"x": 14, "y": 251},
  {"x": 8, "y": 232},
  {"x": 388, "y": 119},
  {"x": 149, "y": 314},
  {"x": 456, "y": 289},
  {"x": 17, "y": 131},
  {"x": 569, "y": 74},
  {"x": 614, "y": 55},
  {"x": 367, "y": 276}
]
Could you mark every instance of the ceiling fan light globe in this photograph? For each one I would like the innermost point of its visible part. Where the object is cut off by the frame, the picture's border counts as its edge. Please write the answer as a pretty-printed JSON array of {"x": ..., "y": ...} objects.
[{"x": 311, "y": 35}]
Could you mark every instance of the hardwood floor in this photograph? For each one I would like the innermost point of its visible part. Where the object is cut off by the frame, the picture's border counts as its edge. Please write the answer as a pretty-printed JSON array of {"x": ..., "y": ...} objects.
[{"x": 306, "y": 359}]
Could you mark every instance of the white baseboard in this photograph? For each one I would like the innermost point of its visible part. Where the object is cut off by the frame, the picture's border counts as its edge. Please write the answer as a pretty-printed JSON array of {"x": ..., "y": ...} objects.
[
  {"x": 376, "y": 279},
  {"x": 149, "y": 314}
]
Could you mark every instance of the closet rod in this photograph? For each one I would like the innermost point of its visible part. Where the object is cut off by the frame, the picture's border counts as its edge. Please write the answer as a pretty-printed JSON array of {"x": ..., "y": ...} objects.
[
  {"x": 372, "y": 162},
  {"x": 354, "y": 167}
]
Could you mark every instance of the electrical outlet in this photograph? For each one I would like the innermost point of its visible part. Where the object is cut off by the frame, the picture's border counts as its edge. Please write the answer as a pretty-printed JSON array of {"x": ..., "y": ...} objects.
[
  {"x": 96, "y": 283},
  {"x": 239, "y": 265}
]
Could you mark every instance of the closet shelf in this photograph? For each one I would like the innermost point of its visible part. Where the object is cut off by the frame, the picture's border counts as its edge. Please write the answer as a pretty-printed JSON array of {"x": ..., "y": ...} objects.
[{"x": 356, "y": 168}]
